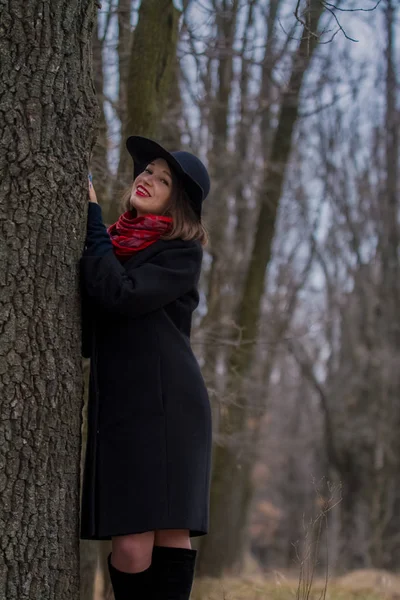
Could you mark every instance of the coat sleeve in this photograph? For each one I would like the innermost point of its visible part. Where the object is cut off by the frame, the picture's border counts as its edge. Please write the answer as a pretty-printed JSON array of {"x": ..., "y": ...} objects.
[
  {"x": 86, "y": 324},
  {"x": 97, "y": 243},
  {"x": 165, "y": 277}
]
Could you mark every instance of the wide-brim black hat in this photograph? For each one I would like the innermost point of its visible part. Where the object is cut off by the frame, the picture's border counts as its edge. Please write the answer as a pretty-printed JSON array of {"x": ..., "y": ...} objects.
[{"x": 187, "y": 167}]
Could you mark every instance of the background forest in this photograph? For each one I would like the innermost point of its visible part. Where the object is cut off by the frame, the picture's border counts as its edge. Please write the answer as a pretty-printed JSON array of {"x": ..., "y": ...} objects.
[{"x": 294, "y": 105}]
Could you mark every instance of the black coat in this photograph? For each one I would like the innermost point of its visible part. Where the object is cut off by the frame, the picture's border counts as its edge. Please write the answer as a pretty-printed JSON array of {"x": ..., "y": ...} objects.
[{"x": 148, "y": 453}]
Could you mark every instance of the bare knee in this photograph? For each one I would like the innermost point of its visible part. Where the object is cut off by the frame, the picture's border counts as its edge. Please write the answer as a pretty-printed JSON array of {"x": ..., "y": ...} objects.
[
  {"x": 132, "y": 553},
  {"x": 174, "y": 538}
]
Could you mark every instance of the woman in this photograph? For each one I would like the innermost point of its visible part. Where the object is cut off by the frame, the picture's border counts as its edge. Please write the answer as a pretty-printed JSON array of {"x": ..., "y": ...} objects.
[{"x": 147, "y": 467}]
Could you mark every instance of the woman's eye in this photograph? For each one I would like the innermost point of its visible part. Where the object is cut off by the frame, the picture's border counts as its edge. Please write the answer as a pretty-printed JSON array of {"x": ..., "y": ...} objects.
[
  {"x": 148, "y": 170},
  {"x": 164, "y": 181}
]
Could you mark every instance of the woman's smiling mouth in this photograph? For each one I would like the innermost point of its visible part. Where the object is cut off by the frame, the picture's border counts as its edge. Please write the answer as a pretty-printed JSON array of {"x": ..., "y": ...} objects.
[{"x": 141, "y": 191}]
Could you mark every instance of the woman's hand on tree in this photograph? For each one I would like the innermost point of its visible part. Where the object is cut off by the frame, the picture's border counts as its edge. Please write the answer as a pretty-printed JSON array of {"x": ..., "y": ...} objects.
[{"x": 92, "y": 193}]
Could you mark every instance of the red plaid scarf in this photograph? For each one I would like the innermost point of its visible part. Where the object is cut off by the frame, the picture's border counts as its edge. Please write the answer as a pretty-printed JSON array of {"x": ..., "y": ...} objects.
[{"x": 131, "y": 234}]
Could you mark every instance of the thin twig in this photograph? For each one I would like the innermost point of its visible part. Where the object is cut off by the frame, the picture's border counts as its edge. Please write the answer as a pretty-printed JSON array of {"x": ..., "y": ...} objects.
[{"x": 334, "y": 7}]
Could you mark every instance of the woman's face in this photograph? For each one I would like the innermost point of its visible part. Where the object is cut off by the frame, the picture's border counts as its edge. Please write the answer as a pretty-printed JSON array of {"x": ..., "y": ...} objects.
[{"x": 152, "y": 189}]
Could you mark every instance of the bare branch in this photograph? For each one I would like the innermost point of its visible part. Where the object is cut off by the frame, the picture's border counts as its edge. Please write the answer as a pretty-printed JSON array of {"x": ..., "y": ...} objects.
[
  {"x": 340, "y": 28},
  {"x": 330, "y": 8},
  {"x": 334, "y": 7}
]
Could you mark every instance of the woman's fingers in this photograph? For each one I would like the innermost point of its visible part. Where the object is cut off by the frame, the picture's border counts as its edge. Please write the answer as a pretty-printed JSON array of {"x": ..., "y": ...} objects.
[{"x": 92, "y": 193}]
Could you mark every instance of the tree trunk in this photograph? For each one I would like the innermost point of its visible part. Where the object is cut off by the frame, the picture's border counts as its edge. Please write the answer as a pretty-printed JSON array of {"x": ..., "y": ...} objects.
[
  {"x": 170, "y": 130},
  {"x": 47, "y": 115},
  {"x": 216, "y": 209},
  {"x": 391, "y": 283},
  {"x": 88, "y": 549},
  {"x": 125, "y": 36},
  {"x": 150, "y": 71},
  {"x": 376, "y": 527},
  {"x": 367, "y": 418},
  {"x": 222, "y": 549},
  {"x": 99, "y": 164}
]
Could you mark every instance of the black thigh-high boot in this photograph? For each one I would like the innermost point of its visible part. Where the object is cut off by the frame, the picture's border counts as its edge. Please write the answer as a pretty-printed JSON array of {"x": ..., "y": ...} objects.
[
  {"x": 130, "y": 586},
  {"x": 172, "y": 572}
]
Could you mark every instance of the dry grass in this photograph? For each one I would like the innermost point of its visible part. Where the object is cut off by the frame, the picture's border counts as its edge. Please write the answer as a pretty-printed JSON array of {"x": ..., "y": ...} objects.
[
  {"x": 360, "y": 585},
  {"x": 357, "y": 585}
]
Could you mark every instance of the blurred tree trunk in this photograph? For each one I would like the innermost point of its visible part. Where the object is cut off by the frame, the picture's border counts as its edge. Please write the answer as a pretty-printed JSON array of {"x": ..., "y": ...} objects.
[
  {"x": 88, "y": 568},
  {"x": 171, "y": 126},
  {"x": 89, "y": 552},
  {"x": 216, "y": 211},
  {"x": 48, "y": 110},
  {"x": 244, "y": 222},
  {"x": 169, "y": 130},
  {"x": 360, "y": 395},
  {"x": 390, "y": 241},
  {"x": 125, "y": 38},
  {"x": 222, "y": 549},
  {"x": 102, "y": 177},
  {"x": 389, "y": 551},
  {"x": 151, "y": 63},
  {"x": 369, "y": 466},
  {"x": 99, "y": 162},
  {"x": 370, "y": 476}
]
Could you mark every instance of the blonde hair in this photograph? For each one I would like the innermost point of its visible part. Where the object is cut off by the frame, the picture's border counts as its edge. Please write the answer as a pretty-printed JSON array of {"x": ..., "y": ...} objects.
[{"x": 186, "y": 225}]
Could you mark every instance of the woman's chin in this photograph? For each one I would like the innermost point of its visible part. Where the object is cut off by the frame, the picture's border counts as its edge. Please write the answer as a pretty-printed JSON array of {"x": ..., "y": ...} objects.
[
  {"x": 134, "y": 205},
  {"x": 136, "y": 209}
]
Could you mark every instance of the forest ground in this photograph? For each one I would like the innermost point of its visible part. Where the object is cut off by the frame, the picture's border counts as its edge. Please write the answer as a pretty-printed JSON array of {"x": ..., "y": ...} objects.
[{"x": 357, "y": 585}]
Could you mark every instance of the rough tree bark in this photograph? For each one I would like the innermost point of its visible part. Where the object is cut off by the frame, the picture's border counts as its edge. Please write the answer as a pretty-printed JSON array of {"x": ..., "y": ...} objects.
[
  {"x": 222, "y": 549},
  {"x": 152, "y": 59},
  {"x": 47, "y": 115}
]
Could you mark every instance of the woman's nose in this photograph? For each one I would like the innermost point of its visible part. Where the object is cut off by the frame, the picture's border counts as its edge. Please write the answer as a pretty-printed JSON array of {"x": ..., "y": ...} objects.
[{"x": 147, "y": 177}]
